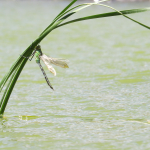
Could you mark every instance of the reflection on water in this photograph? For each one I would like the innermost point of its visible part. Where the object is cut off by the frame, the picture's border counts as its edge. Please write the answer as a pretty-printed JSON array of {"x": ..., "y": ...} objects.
[{"x": 100, "y": 102}]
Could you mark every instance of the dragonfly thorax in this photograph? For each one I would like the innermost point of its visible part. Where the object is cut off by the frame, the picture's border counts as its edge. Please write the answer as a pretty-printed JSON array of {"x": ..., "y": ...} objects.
[{"x": 38, "y": 53}]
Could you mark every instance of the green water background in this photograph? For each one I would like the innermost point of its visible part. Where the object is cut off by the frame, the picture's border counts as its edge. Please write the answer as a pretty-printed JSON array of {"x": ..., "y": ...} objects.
[{"x": 101, "y": 102}]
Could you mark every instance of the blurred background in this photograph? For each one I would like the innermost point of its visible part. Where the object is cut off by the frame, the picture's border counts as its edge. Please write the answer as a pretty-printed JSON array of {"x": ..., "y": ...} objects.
[{"x": 102, "y": 102}]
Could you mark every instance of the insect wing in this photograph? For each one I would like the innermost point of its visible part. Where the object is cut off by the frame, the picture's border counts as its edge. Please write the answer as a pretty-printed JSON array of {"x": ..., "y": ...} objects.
[
  {"x": 59, "y": 62},
  {"x": 45, "y": 59}
]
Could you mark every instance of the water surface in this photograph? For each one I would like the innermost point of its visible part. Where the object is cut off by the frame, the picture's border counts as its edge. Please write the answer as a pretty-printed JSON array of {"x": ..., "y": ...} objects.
[{"x": 101, "y": 102}]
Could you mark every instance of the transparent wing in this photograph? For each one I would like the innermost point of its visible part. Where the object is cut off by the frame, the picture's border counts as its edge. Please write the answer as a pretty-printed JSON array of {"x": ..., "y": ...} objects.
[
  {"x": 44, "y": 58},
  {"x": 57, "y": 61}
]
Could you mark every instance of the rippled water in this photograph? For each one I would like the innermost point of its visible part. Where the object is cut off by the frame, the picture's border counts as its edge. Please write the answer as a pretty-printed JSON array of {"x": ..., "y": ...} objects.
[{"x": 101, "y": 102}]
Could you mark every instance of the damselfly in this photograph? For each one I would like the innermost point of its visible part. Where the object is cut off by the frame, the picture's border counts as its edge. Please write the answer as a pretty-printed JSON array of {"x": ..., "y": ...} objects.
[{"x": 47, "y": 61}]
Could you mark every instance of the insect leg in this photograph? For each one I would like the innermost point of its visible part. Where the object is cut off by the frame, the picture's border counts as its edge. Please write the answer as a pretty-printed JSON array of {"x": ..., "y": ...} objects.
[
  {"x": 32, "y": 54},
  {"x": 46, "y": 78},
  {"x": 29, "y": 56}
]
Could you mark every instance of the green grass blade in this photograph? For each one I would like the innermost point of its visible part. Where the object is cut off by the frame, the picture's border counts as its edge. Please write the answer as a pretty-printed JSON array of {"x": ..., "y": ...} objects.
[
  {"x": 54, "y": 23},
  {"x": 10, "y": 86},
  {"x": 6, "y": 90},
  {"x": 54, "y": 26},
  {"x": 59, "y": 15},
  {"x": 2, "y": 105},
  {"x": 84, "y": 6},
  {"x": 6, "y": 77},
  {"x": 108, "y": 15},
  {"x": 26, "y": 53},
  {"x": 126, "y": 16},
  {"x": 14, "y": 74},
  {"x": 67, "y": 7}
]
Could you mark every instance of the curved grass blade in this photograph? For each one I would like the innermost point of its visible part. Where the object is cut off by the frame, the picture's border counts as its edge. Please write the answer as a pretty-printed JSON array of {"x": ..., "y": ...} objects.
[
  {"x": 14, "y": 66},
  {"x": 65, "y": 9},
  {"x": 42, "y": 36},
  {"x": 85, "y": 5},
  {"x": 5, "y": 89},
  {"x": 126, "y": 16},
  {"x": 11, "y": 85},
  {"x": 109, "y": 15},
  {"x": 58, "y": 23},
  {"x": 88, "y": 4},
  {"x": 6, "y": 77},
  {"x": 59, "y": 15}
]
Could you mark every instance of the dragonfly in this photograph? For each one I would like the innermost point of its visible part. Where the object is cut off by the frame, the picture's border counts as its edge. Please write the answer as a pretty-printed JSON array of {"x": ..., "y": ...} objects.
[{"x": 48, "y": 61}]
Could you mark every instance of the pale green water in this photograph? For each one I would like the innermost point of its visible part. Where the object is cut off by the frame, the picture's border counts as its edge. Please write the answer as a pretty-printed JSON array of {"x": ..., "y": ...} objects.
[{"x": 101, "y": 102}]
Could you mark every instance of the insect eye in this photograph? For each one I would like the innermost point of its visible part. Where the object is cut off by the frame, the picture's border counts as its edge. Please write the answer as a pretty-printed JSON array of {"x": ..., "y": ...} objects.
[{"x": 38, "y": 47}]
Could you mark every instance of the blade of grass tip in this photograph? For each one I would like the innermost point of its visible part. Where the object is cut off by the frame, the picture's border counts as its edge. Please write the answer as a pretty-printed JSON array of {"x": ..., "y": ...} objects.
[
  {"x": 10, "y": 86},
  {"x": 110, "y": 14},
  {"x": 58, "y": 16},
  {"x": 126, "y": 16}
]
